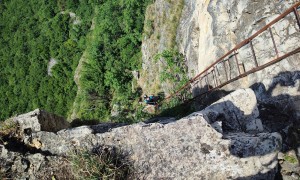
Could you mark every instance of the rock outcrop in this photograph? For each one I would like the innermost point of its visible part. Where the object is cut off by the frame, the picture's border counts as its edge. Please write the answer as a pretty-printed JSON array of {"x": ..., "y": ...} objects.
[
  {"x": 39, "y": 120},
  {"x": 198, "y": 146},
  {"x": 239, "y": 114}
]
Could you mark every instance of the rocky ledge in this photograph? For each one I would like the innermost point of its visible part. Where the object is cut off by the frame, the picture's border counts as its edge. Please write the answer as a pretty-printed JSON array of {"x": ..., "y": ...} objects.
[{"x": 224, "y": 141}]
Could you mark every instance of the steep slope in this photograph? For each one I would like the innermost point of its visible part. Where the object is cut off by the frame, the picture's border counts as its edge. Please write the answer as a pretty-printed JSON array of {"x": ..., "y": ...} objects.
[
  {"x": 161, "y": 21},
  {"x": 31, "y": 34},
  {"x": 97, "y": 56},
  {"x": 104, "y": 73},
  {"x": 209, "y": 29}
]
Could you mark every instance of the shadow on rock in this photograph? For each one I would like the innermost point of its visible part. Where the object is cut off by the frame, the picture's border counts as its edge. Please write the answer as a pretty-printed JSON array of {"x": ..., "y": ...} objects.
[
  {"x": 260, "y": 125},
  {"x": 279, "y": 107}
]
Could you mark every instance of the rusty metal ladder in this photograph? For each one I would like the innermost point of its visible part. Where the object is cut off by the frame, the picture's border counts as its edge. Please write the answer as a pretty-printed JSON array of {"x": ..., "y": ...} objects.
[{"x": 213, "y": 68}]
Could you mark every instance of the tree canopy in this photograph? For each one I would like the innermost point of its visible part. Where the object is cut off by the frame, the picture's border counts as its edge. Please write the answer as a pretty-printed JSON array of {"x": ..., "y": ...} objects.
[{"x": 34, "y": 31}]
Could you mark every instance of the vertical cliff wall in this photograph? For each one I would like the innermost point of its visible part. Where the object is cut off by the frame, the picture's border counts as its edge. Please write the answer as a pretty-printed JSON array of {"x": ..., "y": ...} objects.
[{"x": 209, "y": 29}]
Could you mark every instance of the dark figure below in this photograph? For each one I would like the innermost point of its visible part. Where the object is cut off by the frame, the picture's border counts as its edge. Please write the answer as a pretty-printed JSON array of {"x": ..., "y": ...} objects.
[{"x": 151, "y": 100}]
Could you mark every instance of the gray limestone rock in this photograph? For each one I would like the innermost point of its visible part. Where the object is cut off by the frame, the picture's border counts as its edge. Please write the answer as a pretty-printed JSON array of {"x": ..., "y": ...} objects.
[
  {"x": 254, "y": 126},
  {"x": 39, "y": 120},
  {"x": 192, "y": 147},
  {"x": 239, "y": 112},
  {"x": 3, "y": 152},
  {"x": 209, "y": 29}
]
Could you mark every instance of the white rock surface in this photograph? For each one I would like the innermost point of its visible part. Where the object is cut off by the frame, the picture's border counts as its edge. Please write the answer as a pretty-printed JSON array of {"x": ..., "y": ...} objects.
[{"x": 51, "y": 64}]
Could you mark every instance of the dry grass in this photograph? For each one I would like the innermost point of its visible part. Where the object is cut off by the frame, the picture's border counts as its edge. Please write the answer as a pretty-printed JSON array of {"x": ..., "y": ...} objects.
[
  {"x": 55, "y": 168},
  {"x": 104, "y": 162},
  {"x": 7, "y": 128},
  {"x": 173, "y": 22},
  {"x": 3, "y": 172},
  {"x": 167, "y": 21}
]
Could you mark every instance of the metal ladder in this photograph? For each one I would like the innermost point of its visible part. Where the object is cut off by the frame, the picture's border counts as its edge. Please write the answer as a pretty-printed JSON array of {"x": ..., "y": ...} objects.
[{"x": 213, "y": 71}]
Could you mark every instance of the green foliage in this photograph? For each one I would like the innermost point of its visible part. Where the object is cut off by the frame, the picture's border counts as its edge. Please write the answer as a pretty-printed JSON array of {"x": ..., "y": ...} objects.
[
  {"x": 174, "y": 68},
  {"x": 290, "y": 159},
  {"x": 176, "y": 107},
  {"x": 102, "y": 163},
  {"x": 149, "y": 28},
  {"x": 112, "y": 54},
  {"x": 175, "y": 75},
  {"x": 32, "y": 32}
]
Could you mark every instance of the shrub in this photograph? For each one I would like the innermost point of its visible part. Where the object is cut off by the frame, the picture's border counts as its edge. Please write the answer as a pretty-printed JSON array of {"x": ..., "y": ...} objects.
[
  {"x": 175, "y": 69},
  {"x": 7, "y": 128},
  {"x": 3, "y": 171},
  {"x": 290, "y": 159},
  {"x": 103, "y": 162},
  {"x": 55, "y": 168}
]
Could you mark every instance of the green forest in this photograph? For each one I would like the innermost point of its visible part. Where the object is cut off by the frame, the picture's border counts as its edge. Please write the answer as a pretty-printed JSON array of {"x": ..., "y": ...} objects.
[{"x": 33, "y": 32}]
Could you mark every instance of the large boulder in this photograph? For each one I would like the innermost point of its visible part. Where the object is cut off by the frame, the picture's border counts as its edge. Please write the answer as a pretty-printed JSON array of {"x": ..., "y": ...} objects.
[
  {"x": 189, "y": 147},
  {"x": 14, "y": 165},
  {"x": 195, "y": 147},
  {"x": 39, "y": 120}
]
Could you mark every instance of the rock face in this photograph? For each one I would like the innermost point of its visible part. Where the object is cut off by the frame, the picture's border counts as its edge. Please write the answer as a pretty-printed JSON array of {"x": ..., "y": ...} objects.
[
  {"x": 14, "y": 165},
  {"x": 51, "y": 64},
  {"x": 209, "y": 29},
  {"x": 161, "y": 21},
  {"x": 39, "y": 120},
  {"x": 197, "y": 146}
]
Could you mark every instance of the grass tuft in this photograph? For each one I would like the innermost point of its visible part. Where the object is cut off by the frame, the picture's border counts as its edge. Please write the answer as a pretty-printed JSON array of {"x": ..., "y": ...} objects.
[
  {"x": 290, "y": 159},
  {"x": 103, "y": 162},
  {"x": 7, "y": 128},
  {"x": 4, "y": 174}
]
